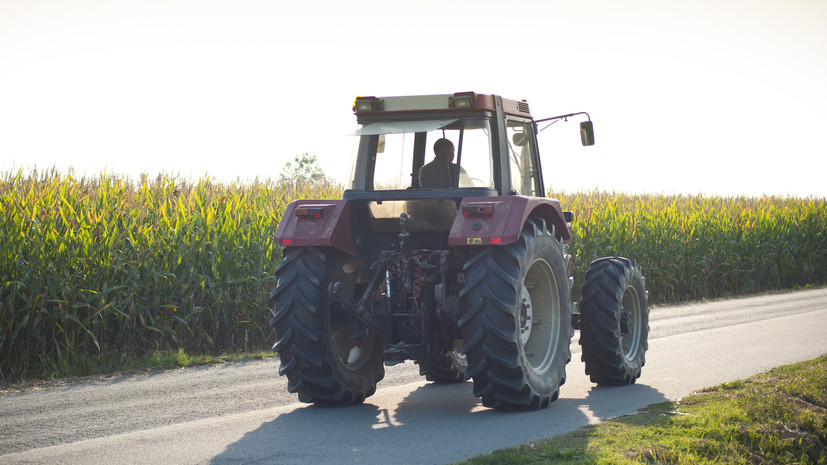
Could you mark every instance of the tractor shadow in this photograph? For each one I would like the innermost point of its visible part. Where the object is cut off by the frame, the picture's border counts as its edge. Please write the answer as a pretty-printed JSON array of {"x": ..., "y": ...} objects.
[
  {"x": 608, "y": 402},
  {"x": 425, "y": 427}
]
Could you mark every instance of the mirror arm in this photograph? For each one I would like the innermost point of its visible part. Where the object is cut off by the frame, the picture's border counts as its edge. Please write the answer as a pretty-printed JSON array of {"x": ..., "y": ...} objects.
[{"x": 554, "y": 119}]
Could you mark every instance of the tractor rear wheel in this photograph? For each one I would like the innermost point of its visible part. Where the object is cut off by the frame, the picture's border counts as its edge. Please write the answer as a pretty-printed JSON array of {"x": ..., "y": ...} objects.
[
  {"x": 516, "y": 320},
  {"x": 327, "y": 358},
  {"x": 614, "y": 322}
]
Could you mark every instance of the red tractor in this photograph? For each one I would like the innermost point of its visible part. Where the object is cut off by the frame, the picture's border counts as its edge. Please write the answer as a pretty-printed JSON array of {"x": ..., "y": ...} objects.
[{"x": 444, "y": 251}]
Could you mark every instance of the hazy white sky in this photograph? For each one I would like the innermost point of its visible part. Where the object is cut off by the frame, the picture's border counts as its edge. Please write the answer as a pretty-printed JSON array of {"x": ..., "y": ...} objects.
[{"x": 717, "y": 97}]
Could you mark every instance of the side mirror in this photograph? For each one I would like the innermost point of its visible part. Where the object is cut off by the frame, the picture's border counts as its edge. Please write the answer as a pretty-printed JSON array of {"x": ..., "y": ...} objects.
[{"x": 587, "y": 133}]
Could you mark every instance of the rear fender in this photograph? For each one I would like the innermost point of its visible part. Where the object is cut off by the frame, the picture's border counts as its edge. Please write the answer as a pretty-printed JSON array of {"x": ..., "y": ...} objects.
[
  {"x": 499, "y": 220},
  {"x": 316, "y": 223}
]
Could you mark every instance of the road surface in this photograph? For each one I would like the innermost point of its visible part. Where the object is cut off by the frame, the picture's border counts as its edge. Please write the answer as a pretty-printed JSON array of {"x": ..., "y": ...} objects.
[{"x": 241, "y": 413}]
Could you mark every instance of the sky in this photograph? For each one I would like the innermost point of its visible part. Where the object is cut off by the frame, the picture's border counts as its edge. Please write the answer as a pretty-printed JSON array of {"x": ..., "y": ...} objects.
[{"x": 687, "y": 97}]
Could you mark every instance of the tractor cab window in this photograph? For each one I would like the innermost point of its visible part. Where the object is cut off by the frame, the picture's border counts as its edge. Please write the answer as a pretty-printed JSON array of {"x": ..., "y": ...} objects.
[
  {"x": 522, "y": 156},
  {"x": 427, "y": 154}
]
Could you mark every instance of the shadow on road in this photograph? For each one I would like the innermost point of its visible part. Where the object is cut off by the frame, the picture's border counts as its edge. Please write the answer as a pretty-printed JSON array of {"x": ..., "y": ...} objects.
[
  {"x": 433, "y": 424},
  {"x": 605, "y": 402}
]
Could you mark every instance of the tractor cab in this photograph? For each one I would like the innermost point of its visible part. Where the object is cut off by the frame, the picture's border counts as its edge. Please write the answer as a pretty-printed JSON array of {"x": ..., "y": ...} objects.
[
  {"x": 422, "y": 155},
  {"x": 401, "y": 147}
]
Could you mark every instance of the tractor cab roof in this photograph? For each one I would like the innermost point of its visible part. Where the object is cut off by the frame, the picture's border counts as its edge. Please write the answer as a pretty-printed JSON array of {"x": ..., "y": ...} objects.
[{"x": 457, "y": 102}]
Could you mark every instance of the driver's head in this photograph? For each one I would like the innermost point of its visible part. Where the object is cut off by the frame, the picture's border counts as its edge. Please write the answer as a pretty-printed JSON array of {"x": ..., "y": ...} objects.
[{"x": 444, "y": 148}]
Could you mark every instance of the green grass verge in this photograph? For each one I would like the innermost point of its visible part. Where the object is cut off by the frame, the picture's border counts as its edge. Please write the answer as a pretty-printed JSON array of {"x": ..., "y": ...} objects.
[
  {"x": 177, "y": 359},
  {"x": 164, "y": 360},
  {"x": 773, "y": 418}
]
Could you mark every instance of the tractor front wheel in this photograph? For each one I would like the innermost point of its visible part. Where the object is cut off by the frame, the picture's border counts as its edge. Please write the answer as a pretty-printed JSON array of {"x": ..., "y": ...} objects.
[{"x": 614, "y": 322}]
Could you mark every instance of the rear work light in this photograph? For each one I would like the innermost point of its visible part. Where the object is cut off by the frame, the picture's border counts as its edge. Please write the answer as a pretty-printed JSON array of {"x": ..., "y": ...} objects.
[
  {"x": 367, "y": 104},
  {"x": 478, "y": 210},
  {"x": 462, "y": 100},
  {"x": 309, "y": 212}
]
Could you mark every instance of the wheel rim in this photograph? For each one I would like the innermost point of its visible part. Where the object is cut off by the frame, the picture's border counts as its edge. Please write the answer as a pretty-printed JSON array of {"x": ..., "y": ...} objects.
[
  {"x": 526, "y": 315},
  {"x": 630, "y": 341},
  {"x": 352, "y": 349},
  {"x": 351, "y": 352},
  {"x": 539, "y": 316}
]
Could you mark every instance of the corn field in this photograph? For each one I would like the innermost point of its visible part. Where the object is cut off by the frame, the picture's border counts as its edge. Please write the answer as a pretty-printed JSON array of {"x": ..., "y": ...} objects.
[
  {"x": 93, "y": 270},
  {"x": 105, "y": 268},
  {"x": 695, "y": 247}
]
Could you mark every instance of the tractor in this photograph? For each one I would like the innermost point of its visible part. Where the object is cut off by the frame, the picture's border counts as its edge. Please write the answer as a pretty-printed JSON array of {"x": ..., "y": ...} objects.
[{"x": 445, "y": 251}]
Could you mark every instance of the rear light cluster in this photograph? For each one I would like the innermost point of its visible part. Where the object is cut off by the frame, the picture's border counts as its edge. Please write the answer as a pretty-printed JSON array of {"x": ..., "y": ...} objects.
[
  {"x": 310, "y": 216},
  {"x": 309, "y": 212},
  {"x": 478, "y": 210}
]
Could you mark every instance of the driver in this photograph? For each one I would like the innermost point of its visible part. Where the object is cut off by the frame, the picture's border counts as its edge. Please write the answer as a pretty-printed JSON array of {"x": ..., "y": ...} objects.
[{"x": 441, "y": 172}]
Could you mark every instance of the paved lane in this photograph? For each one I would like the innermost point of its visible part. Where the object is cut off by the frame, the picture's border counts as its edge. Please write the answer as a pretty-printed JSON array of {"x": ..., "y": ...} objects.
[{"x": 241, "y": 413}]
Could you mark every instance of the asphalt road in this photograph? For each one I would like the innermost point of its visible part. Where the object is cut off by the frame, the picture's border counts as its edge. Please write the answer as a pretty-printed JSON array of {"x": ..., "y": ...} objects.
[{"x": 241, "y": 413}]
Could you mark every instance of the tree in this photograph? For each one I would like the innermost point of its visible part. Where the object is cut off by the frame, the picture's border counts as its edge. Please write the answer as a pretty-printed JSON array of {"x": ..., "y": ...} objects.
[{"x": 304, "y": 171}]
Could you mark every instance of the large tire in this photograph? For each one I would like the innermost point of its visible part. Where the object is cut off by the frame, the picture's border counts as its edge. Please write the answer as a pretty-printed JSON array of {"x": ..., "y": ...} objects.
[
  {"x": 614, "y": 322},
  {"x": 516, "y": 320},
  {"x": 323, "y": 362},
  {"x": 444, "y": 368}
]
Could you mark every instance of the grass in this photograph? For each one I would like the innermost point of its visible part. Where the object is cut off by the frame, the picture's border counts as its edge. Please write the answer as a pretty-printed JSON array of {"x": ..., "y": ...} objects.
[
  {"x": 774, "y": 418},
  {"x": 179, "y": 359}
]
